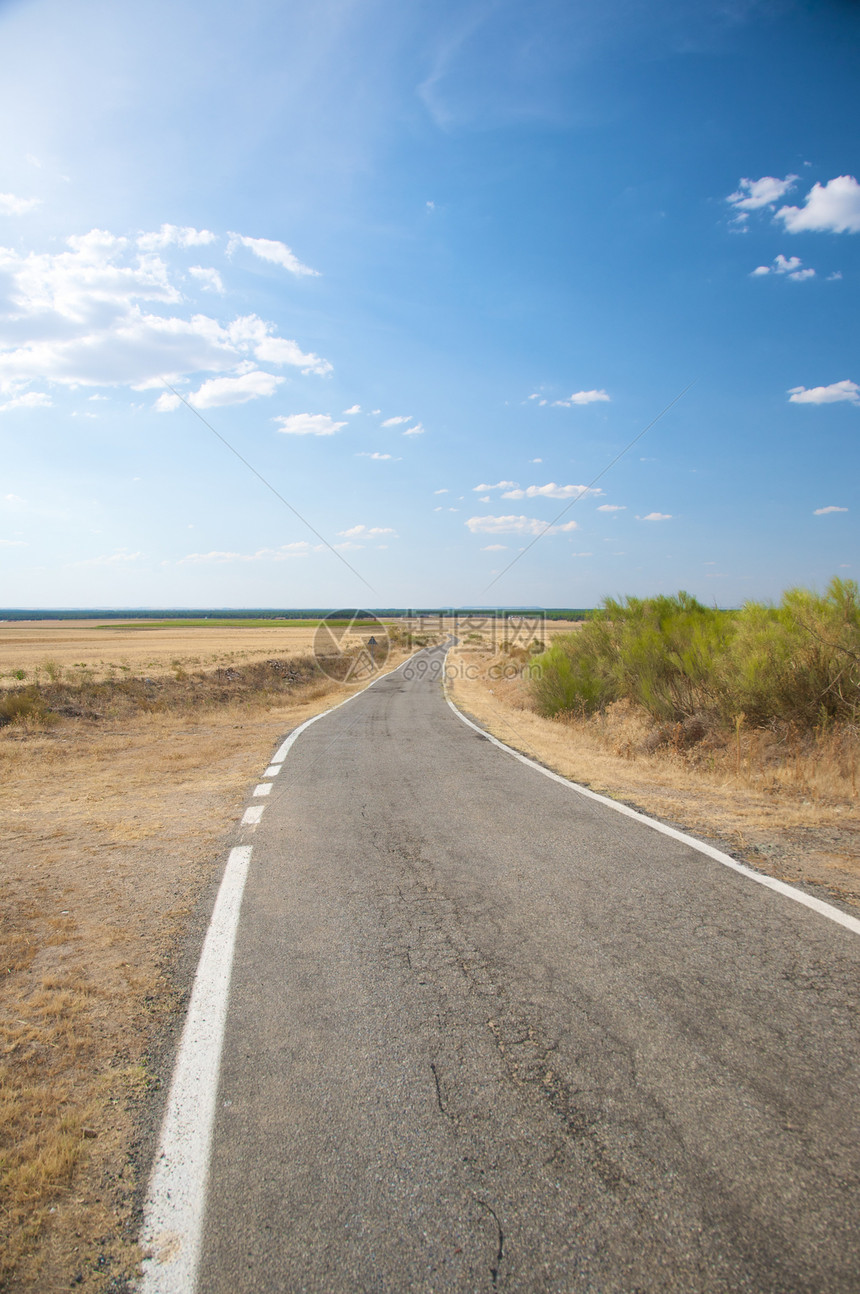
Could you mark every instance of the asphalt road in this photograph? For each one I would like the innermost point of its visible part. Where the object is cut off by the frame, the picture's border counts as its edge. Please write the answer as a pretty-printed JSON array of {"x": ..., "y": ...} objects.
[{"x": 487, "y": 1035}]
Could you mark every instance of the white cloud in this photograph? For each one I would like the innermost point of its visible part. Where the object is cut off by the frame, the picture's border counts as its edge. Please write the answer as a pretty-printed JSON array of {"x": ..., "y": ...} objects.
[
  {"x": 396, "y": 421},
  {"x": 834, "y": 277},
  {"x": 13, "y": 498},
  {"x": 269, "y": 249},
  {"x": 612, "y": 507},
  {"x": 550, "y": 491},
  {"x": 582, "y": 554},
  {"x": 417, "y": 430},
  {"x": 515, "y": 526},
  {"x": 834, "y": 206},
  {"x": 500, "y": 485},
  {"x": 219, "y": 391},
  {"x": 535, "y": 460},
  {"x": 282, "y": 554},
  {"x": 13, "y": 543},
  {"x": 836, "y": 393},
  {"x": 494, "y": 548},
  {"x": 785, "y": 265},
  {"x": 113, "y": 559},
  {"x": 308, "y": 424},
  {"x": 84, "y": 316},
  {"x": 656, "y": 516},
  {"x": 582, "y": 397},
  {"x": 210, "y": 280},
  {"x": 29, "y": 400},
  {"x": 353, "y": 408},
  {"x": 175, "y": 235},
  {"x": 821, "y": 512},
  {"x": 10, "y": 205},
  {"x": 379, "y": 457},
  {"x": 367, "y": 532},
  {"x": 754, "y": 194}
]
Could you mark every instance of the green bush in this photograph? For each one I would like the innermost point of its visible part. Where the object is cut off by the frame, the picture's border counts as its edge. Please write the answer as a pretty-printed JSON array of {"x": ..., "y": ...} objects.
[{"x": 796, "y": 663}]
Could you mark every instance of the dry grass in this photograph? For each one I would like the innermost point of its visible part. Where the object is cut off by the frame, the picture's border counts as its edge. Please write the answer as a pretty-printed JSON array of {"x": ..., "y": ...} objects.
[
  {"x": 39, "y": 651},
  {"x": 112, "y": 830},
  {"x": 787, "y": 805}
]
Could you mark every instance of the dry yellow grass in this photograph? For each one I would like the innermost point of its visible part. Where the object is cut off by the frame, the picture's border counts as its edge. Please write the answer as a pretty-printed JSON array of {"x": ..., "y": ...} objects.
[
  {"x": 112, "y": 831},
  {"x": 790, "y": 811},
  {"x": 105, "y": 649}
]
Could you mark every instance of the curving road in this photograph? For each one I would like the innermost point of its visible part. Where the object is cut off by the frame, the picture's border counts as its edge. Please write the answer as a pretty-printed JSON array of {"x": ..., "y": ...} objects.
[{"x": 485, "y": 1034}]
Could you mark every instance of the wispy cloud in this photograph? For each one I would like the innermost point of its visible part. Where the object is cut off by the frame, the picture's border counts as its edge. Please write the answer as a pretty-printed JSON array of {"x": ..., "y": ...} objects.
[
  {"x": 308, "y": 424},
  {"x": 175, "y": 235},
  {"x": 822, "y": 512},
  {"x": 10, "y": 205},
  {"x": 612, "y": 507},
  {"x": 29, "y": 400},
  {"x": 583, "y": 397},
  {"x": 417, "y": 430},
  {"x": 656, "y": 516},
  {"x": 494, "y": 548},
  {"x": 210, "y": 280},
  {"x": 379, "y": 457},
  {"x": 362, "y": 531},
  {"x": 551, "y": 491},
  {"x": 499, "y": 485},
  {"x": 111, "y": 559},
  {"x": 220, "y": 558},
  {"x": 515, "y": 526},
  {"x": 833, "y": 207},
  {"x": 836, "y": 393},
  {"x": 752, "y": 195},
  {"x": 353, "y": 408},
  {"x": 397, "y": 420},
  {"x": 269, "y": 249}
]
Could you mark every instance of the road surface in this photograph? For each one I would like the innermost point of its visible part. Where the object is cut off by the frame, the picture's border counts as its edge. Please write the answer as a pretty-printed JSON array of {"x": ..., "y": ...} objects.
[{"x": 485, "y": 1034}]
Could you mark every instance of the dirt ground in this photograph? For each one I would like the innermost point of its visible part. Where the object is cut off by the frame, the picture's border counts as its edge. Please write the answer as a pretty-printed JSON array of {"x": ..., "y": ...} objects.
[
  {"x": 797, "y": 821},
  {"x": 113, "y": 834}
]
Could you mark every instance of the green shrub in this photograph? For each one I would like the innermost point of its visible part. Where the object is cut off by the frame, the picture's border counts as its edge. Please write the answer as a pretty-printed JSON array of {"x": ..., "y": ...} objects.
[{"x": 798, "y": 663}]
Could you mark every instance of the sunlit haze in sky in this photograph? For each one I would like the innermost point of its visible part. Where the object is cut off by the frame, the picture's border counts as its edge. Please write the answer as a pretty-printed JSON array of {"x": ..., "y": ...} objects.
[{"x": 428, "y": 268}]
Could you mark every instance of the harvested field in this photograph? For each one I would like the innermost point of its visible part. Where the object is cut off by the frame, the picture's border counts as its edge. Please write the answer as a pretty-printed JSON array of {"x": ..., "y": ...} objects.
[
  {"x": 36, "y": 651},
  {"x": 118, "y": 802}
]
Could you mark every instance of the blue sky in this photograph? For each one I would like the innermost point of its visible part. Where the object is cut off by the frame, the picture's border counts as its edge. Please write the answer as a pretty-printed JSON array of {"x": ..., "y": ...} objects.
[{"x": 429, "y": 268}]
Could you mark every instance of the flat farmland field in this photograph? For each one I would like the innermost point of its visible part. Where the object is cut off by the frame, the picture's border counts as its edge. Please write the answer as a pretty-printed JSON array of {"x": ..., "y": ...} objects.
[{"x": 31, "y": 651}]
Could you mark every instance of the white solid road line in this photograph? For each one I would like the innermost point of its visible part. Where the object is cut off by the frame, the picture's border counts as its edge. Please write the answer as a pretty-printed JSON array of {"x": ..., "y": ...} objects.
[
  {"x": 808, "y": 900},
  {"x": 175, "y": 1203},
  {"x": 173, "y": 1213}
]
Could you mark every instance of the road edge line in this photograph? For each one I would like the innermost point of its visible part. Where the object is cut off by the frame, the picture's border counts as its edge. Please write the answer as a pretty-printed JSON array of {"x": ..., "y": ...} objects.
[
  {"x": 770, "y": 882},
  {"x": 175, "y": 1204}
]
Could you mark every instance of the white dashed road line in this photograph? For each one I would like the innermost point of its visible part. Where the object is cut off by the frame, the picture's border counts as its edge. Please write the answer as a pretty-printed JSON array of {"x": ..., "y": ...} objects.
[{"x": 176, "y": 1199}]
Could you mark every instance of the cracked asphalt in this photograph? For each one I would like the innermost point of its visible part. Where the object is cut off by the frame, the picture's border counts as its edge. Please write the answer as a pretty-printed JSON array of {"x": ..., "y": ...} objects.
[{"x": 485, "y": 1034}]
